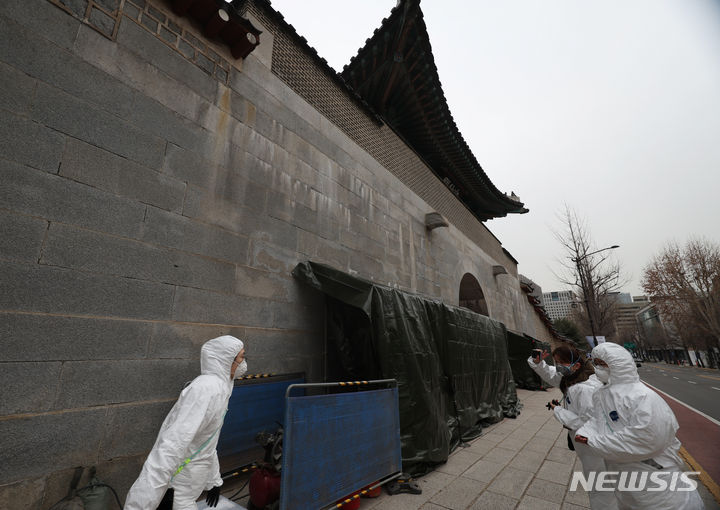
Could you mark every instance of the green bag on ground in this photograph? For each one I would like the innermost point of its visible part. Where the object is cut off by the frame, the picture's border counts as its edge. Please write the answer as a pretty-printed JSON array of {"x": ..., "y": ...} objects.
[{"x": 97, "y": 495}]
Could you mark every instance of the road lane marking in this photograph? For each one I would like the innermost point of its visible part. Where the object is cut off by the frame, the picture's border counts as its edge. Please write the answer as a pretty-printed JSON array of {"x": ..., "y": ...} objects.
[
  {"x": 704, "y": 476},
  {"x": 713, "y": 387},
  {"x": 683, "y": 403},
  {"x": 675, "y": 377},
  {"x": 692, "y": 382},
  {"x": 710, "y": 377}
]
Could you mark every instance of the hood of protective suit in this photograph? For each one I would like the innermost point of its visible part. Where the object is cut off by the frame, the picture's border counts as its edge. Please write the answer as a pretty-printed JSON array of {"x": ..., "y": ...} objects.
[
  {"x": 619, "y": 360},
  {"x": 217, "y": 355}
]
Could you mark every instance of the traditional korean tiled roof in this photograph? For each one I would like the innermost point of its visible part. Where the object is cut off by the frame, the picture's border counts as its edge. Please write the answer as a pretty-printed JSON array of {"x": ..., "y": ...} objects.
[{"x": 395, "y": 73}]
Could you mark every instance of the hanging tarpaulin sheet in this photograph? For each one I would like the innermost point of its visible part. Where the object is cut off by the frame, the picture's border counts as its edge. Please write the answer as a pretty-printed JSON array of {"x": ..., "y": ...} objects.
[
  {"x": 451, "y": 364},
  {"x": 519, "y": 350}
]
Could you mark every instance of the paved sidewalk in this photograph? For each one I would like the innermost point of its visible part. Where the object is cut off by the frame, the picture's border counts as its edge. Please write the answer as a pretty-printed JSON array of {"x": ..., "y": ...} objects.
[
  {"x": 516, "y": 464},
  {"x": 521, "y": 464}
]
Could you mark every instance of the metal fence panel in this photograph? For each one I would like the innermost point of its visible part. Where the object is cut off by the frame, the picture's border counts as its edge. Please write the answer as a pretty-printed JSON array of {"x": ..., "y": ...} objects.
[
  {"x": 337, "y": 444},
  {"x": 254, "y": 406}
]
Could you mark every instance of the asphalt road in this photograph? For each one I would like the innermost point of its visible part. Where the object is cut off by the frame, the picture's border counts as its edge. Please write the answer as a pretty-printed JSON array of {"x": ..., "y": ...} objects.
[{"x": 696, "y": 387}]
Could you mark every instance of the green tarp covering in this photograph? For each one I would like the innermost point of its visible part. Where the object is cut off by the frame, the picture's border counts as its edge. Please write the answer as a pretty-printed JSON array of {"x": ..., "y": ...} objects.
[
  {"x": 519, "y": 350},
  {"x": 451, "y": 364}
]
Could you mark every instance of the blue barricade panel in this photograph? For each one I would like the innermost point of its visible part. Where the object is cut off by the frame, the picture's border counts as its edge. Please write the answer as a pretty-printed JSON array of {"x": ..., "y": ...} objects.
[
  {"x": 337, "y": 444},
  {"x": 255, "y": 405}
]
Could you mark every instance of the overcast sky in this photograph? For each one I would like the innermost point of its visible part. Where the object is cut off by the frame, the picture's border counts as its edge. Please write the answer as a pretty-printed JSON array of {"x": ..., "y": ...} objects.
[{"x": 612, "y": 107}]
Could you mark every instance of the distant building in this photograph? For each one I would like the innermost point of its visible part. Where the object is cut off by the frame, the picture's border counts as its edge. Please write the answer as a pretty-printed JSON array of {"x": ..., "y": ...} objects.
[
  {"x": 626, "y": 324},
  {"x": 559, "y": 304},
  {"x": 621, "y": 298}
]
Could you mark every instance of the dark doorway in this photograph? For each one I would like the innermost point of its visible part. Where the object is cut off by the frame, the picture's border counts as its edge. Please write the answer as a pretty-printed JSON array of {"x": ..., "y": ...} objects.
[{"x": 471, "y": 295}]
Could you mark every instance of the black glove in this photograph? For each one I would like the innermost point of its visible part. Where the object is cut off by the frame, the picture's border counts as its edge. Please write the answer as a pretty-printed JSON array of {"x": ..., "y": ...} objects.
[
  {"x": 213, "y": 496},
  {"x": 167, "y": 500}
]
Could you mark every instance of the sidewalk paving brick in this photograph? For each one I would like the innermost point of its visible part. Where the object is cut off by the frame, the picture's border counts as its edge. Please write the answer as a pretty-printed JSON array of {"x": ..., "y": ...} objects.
[
  {"x": 495, "y": 501},
  {"x": 555, "y": 472},
  {"x": 511, "y": 482},
  {"x": 484, "y": 471},
  {"x": 548, "y": 491},
  {"x": 459, "y": 494},
  {"x": 531, "y": 503},
  {"x": 528, "y": 461}
]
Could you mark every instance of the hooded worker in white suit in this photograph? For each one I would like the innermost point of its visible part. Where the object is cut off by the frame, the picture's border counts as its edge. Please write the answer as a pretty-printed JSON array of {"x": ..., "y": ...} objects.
[
  {"x": 573, "y": 378},
  {"x": 633, "y": 429},
  {"x": 184, "y": 456}
]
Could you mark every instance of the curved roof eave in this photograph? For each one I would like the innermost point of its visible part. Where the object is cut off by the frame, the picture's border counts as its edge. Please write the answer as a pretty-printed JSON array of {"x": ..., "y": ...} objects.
[{"x": 401, "y": 46}]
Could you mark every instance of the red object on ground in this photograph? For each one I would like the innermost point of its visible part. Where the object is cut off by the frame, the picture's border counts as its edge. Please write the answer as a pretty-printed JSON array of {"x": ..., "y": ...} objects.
[
  {"x": 374, "y": 493},
  {"x": 699, "y": 436},
  {"x": 264, "y": 487}
]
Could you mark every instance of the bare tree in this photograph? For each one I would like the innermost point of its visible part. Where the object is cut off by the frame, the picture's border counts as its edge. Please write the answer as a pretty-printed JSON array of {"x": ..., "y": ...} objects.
[
  {"x": 591, "y": 272},
  {"x": 684, "y": 283}
]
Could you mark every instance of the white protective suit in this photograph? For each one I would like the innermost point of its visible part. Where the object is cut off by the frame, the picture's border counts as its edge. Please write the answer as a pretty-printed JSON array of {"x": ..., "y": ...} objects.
[
  {"x": 193, "y": 423},
  {"x": 630, "y": 424},
  {"x": 575, "y": 411}
]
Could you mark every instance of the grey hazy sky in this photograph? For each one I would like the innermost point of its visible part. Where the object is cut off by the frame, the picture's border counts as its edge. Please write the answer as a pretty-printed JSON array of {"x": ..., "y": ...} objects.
[{"x": 612, "y": 107}]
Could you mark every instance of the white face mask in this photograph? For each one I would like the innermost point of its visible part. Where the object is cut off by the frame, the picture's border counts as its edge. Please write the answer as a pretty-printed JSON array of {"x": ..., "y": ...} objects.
[
  {"x": 241, "y": 369},
  {"x": 602, "y": 373}
]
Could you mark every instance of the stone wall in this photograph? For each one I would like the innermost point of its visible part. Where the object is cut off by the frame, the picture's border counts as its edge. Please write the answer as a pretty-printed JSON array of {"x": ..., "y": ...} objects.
[{"x": 157, "y": 193}]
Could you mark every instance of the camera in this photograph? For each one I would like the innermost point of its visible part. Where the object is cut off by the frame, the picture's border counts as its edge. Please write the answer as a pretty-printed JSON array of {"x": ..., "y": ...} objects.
[{"x": 550, "y": 405}]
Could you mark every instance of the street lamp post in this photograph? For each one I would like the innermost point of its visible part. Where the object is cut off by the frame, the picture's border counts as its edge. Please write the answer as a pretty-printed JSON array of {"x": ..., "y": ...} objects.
[{"x": 586, "y": 288}]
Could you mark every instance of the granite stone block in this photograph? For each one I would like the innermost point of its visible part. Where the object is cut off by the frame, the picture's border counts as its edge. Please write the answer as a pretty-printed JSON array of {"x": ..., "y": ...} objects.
[
  {"x": 21, "y": 237},
  {"x": 42, "y": 18},
  {"x": 32, "y": 288},
  {"x": 54, "y": 198},
  {"x": 91, "y": 251},
  {"x": 16, "y": 90},
  {"x": 120, "y": 381},
  {"x": 177, "y": 340},
  {"x": 104, "y": 170},
  {"x": 37, "y": 445},
  {"x": 303, "y": 317},
  {"x": 149, "y": 48},
  {"x": 187, "y": 166},
  {"x": 154, "y": 118},
  {"x": 28, "y": 387},
  {"x": 131, "y": 430},
  {"x": 82, "y": 120},
  {"x": 273, "y": 258},
  {"x": 29, "y": 143},
  {"x": 261, "y": 283},
  {"x": 162, "y": 228},
  {"x": 55, "y": 66},
  {"x": 194, "y": 305},
  {"x": 237, "y": 218},
  {"x": 127, "y": 67},
  {"x": 31, "y": 337}
]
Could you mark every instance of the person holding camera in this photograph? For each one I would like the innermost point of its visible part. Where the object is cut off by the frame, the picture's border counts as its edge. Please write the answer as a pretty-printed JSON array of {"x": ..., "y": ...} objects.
[
  {"x": 575, "y": 377},
  {"x": 633, "y": 429}
]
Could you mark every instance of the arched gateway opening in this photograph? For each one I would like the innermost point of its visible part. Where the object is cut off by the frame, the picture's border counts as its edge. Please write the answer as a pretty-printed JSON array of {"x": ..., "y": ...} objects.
[{"x": 471, "y": 295}]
